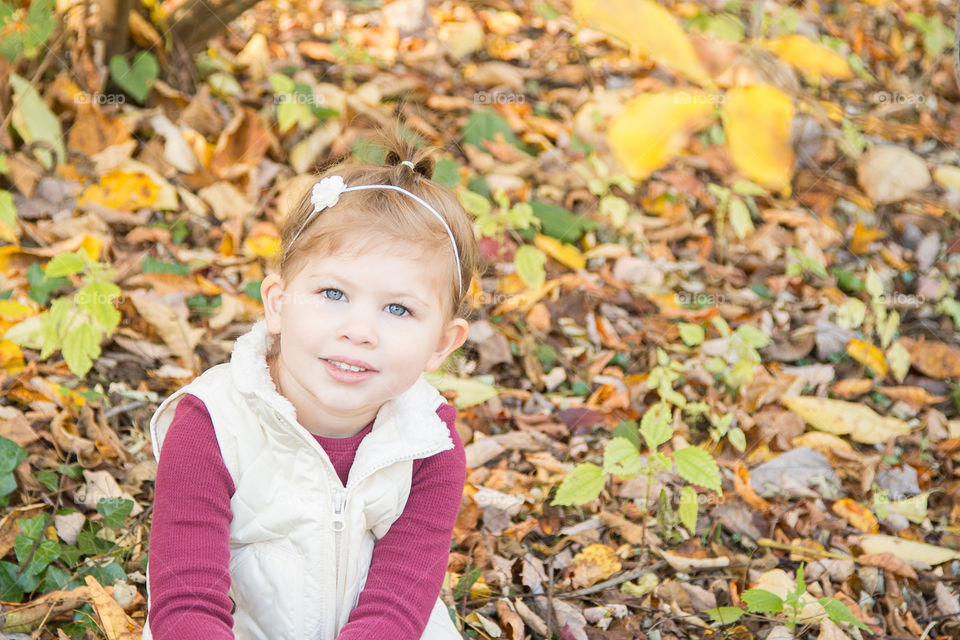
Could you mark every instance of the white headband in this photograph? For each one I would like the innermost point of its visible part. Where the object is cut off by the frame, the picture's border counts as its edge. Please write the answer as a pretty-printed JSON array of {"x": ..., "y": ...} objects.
[{"x": 326, "y": 193}]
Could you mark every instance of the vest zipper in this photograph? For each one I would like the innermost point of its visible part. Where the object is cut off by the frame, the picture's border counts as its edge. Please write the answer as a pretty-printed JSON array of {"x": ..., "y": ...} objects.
[{"x": 337, "y": 523}]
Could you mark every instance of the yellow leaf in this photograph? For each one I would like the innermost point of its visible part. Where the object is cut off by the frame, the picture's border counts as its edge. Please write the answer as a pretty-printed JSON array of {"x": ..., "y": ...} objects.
[
  {"x": 757, "y": 121},
  {"x": 908, "y": 549},
  {"x": 856, "y": 514},
  {"x": 595, "y": 563},
  {"x": 11, "y": 358},
  {"x": 899, "y": 359},
  {"x": 841, "y": 418},
  {"x": 655, "y": 127},
  {"x": 811, "y": 58},
  {"x": 262, "y": 246},
  {"x": 13, "y": 311},
  {"x": 122, "y": 190},
  {"x": 648, "y": 27},
  {"x": 868, "y": 355},
  {"x": 92, "y": 245},
  {"x": 115, "y": 623},
  {"x": 566, "y": 254}
]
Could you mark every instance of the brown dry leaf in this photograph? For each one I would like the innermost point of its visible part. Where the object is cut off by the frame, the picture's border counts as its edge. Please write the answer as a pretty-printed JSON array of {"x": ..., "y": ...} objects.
[
  {"x": 917, "y": 397},
  {"x": 67, "y": 437},
  {"x": 9, "y": 527},
  {"x": 841, "y": 418},
  {"x": 241, "y": 145},
  {"x": 851, "y": 387},
  {"x": 92, "y": 132},
  {"x": 934, "y": 359},
  {"x": 510, "y": 619},
  {"x": 888, "y": 561},
  {"x": 648, "y": 27},
  {"x": 856, "y": 514},
  {"x": 797, "y": 555},
  {"x": 629, "y": 531},
  {"x": 830, "y": 631},
  {"x": 757, "y": 125},
  {"x": 173, "y": 327},
  {"x": 116, "y": 624},
  {"x": 595, "y": 563}
]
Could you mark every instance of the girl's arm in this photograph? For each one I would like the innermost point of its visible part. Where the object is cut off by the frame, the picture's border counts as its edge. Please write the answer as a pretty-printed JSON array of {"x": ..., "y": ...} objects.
[
  {"x": 409, "y": 562},
  {"x": 189, "y": 542}
]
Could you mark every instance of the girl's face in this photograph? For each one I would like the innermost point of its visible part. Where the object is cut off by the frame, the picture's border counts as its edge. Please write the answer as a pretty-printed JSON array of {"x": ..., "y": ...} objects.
[{"x": 355, "y": 331}]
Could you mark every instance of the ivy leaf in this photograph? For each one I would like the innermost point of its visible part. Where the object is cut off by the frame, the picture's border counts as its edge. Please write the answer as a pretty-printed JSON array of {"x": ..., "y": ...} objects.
[
  {"x": 689, "y": 509},
  {"x": 762, "y": 601},
  {"x": 696, "y": 466},
  {"x": 621, "y": 458},
  {"x": 11, "y": 455},
  {"x": 114, "y": 510},
  {"x": 655, "y": 425},
  {"x": 725, "y": 615},
  {"x": 33, "y": 527},
  {"x": 583, "y": 484},
  {"x": 838, "y": 612}
]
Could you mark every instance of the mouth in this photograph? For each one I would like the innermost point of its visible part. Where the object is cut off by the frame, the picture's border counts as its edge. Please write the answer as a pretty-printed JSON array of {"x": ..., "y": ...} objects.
[{"x": 346, "y": 364}]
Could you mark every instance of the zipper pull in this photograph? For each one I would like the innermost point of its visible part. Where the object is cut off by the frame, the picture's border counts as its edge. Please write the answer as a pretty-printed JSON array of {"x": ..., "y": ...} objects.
[{"x": 339, "y": 499}]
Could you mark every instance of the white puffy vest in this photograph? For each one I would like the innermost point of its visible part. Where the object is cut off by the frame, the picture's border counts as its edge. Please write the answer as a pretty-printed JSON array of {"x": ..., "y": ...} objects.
[{"x": 301, "y": 542}]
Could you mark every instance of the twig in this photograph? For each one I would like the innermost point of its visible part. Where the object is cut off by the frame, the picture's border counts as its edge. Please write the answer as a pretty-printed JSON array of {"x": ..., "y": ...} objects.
[
  {"x": 550, "y": 613},
  {"x": 767, "y": 542},
  {"x": 123, "y": 408}
]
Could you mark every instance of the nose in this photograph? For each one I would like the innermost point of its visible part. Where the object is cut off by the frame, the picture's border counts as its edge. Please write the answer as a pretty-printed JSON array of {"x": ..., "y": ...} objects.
[{"x": 358, "y": 328}]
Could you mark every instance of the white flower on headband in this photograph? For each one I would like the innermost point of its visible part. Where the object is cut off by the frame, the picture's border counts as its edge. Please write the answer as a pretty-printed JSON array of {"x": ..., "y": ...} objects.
[{"x": 327, "y": 192}]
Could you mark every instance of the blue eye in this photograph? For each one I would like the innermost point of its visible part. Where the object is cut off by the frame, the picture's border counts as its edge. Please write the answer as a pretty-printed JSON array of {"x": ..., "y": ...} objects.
[
  {"x": 332, "y": 294},
  {"x": 397, "y": 309}
]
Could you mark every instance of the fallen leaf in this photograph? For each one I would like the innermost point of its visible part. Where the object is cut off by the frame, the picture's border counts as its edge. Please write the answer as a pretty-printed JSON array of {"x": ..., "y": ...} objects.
[
  {"x": 908, "y": 549},
  {"x": 868, "y": 355},
  {"x": 595, "y": 563},
  {"x": 841, "y": 418},
  {"x": 856, "y": 514},
  {"x": 934, "y": 359},
  {"x": 812, "y": 58},
  {"x": 888, "y": 561},
  {"x": 757, "y": 121},
  {"x": 173, "y": 327}
]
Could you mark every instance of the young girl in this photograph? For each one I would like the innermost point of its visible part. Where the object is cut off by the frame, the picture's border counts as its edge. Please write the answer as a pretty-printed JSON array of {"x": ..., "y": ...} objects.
[{"x": 307, "y": 489}]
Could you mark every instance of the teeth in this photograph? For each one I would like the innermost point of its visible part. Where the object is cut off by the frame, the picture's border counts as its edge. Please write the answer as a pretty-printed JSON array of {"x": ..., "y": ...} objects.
[{"x": 345, "y": 367}]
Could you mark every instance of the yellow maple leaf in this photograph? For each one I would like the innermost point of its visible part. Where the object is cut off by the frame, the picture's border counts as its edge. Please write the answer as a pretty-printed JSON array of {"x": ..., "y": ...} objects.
[
  {"x": 123, "y": 190},
  {"x": 757, "y": 121},
  {"x": 655, "y": 127}
]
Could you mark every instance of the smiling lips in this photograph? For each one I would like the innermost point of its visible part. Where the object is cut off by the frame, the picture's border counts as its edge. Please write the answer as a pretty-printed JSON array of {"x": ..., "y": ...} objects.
[{"x": 348, "y": 370}]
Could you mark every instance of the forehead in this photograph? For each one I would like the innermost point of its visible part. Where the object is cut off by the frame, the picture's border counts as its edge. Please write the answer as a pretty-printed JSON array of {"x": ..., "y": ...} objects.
[{"x": 397, "y": 269}]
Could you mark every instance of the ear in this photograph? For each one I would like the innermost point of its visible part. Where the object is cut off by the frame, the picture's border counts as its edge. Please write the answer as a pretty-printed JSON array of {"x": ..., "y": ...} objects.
[
  {"x": 454, "y": 335},
  {"x": 271, "y": 292}
]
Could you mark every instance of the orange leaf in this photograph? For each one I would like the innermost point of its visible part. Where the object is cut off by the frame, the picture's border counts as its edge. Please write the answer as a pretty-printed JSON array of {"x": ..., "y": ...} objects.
[
  {"x": 852, "y": 387},
  {"x": 744, "y": 489},
  {"x": 888, "y": 561},
  {"x": 914, "y": 396},
  {"x": 862, "y": 237},
  {"x": 868, "y": 355},
  {"x": 856, "y": 514},
  {"x": 935, "y": 359}
]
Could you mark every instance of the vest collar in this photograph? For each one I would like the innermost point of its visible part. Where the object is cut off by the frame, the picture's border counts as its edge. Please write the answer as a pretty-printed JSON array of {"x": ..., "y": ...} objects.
[{"x": 405, "y": 427}]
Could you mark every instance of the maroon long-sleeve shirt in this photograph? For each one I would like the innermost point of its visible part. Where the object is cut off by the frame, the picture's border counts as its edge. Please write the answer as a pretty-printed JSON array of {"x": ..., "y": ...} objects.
[{"x": 189, "y": 542}]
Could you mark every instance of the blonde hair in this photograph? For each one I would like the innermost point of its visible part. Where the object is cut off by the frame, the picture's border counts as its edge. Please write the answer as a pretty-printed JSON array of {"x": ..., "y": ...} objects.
[{"x": 373, "y": 217}]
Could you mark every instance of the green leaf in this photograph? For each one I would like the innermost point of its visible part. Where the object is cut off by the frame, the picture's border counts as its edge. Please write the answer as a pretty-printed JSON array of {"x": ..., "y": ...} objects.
[
  {"x": 47, "y": 551},
  {"x": 41, "y": 288},
  {"x": 97, "y": 299},
  {"x": 530, "y": 262},
  {"x": 691, "y": 334},
  {"x": 281, "y": 84},
  {"x": 137, "y": 79},
  {"x": 628, "y": 429},
  {"x": 40, "y": 23},
  {"x": 752, "y": 337},
  {"x": 81, "y": 347},
  {"x": 696, "y": 466},
  {"x": 8, "y": 210},
  {"x": 470, "y": 391},
  {"x": 740, "y": 218},
  {"x": 114, "y": 510},
  {"x": 838, "y": 612},
  {"x": 621, "y": 458},
  {"x": 689, "y": 508},
  {"x": 8, "y": 483},
  {"x": 485, "y": 125},
  {"x": 10, "y": 590},
  {"x": 655, "y": 425},
  {"x": 55, "y": 578},
  {"x": 48, "y": 478},
  {"x": 474, "y": 203},
  {"x": 155, "y": 265},
  {"x": 583, "y": 484},
  {"x": 35, "y": 122},
  {"x": 11, "y": 455},
  {"x": 466, "y": 581},
  {"x": 447, "y": 173},
  {"x": 32, "y": 528},
  {"x": 725, "y": 615},
  {"x": 64, "y": 264},
  {"x": 557, "y": 222},
  {"x": 762, "y": 601},
  {"x": 737, "y": 438}
]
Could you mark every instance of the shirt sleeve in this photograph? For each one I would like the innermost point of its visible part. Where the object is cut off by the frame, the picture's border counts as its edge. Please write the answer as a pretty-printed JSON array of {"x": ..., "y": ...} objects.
[
  {"x": 189, "y": 566},
  {"x": 409, "y": 562}
]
